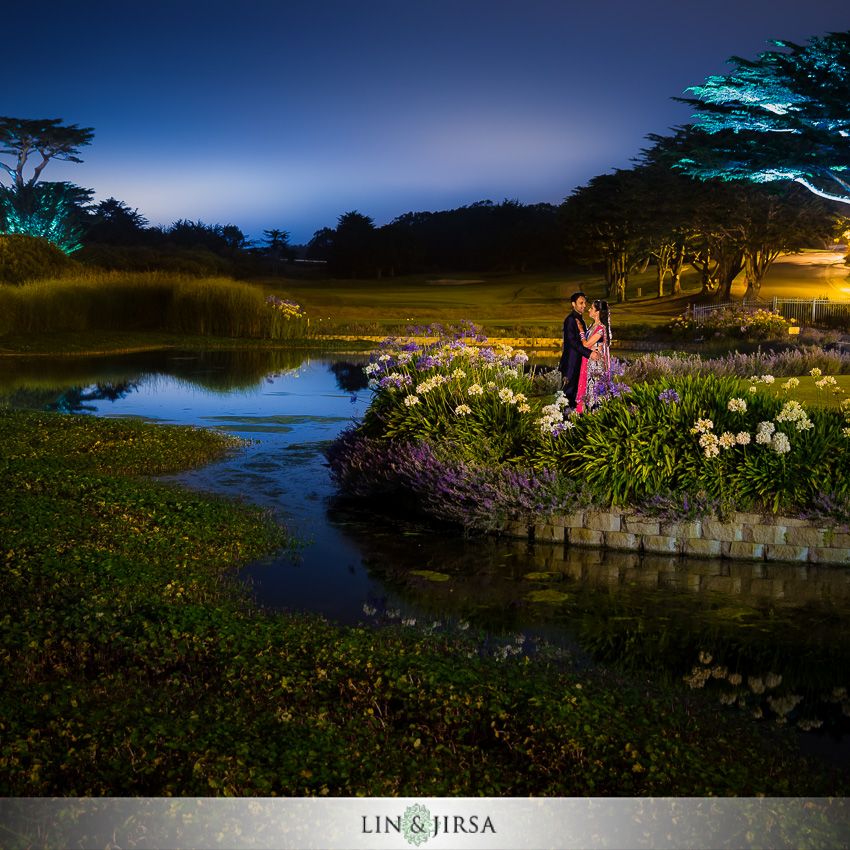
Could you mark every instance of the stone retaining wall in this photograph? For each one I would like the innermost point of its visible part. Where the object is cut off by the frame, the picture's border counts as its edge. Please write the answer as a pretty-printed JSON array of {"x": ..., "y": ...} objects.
[{"x": 745, "y": 536}]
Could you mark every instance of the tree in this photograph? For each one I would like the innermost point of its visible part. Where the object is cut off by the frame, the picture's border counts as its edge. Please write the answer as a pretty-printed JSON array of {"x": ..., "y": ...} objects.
[
  {"x": 783, "y": 116},
  {"x": 23, "y": 138},
  {"x": 602, "y": 222},
  {"x": 55, "y": 211},
  {"x": 112, "y": 222},
  {"x": 734, "y": 225},
  {"x": 276, "y": 246}
]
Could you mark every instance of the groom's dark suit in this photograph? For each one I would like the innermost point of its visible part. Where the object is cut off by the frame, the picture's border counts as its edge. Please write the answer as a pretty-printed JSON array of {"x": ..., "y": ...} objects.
[{"x": 572, "y": 354}]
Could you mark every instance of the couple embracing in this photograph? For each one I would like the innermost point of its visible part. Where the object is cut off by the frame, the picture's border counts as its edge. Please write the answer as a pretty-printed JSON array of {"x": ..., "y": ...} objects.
[{"x": 585, "y": 358}]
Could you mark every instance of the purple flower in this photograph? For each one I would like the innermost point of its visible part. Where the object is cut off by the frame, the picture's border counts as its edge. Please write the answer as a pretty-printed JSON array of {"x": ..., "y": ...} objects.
[{"x": 669, "y": 396}]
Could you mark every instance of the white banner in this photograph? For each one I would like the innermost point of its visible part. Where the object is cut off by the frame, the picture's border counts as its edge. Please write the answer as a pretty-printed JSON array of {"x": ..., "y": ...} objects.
[{"x": 425, "y": 823}]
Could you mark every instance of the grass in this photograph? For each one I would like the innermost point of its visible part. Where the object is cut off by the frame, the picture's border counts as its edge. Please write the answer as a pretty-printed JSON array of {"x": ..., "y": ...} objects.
[{"x": 131, "y": 664}]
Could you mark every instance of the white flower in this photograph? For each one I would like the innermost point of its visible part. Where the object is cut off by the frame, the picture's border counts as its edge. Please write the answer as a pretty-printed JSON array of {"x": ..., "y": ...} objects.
[
  {"x": 374, "y": 384},
  {"x": 727, "y": 440},
  {"x": 815, "y": 373},
  {"x": 404, "y": 357},
  {"x": 372, "y": 368},
  {"x": 491, "y": 385},
  {"x": 524, "y": 408},
  {"x": 753, "y": 389},
  {"x": 702, "y": 426},
  {"x": 766, "y": 427},
  {"x": 742, "y": 438},
  {"x": 410, "y": 400},
  {"x": 737, "y": 405},
  {"x": 780, "y": 443},
  {"x": 846, "y": 432},
  {"x": 506, "y": 395},
  {"x": 458, "y": 373},
  {"x": 510, "y": 373},
  {"x": 791, "y": 383},
  {"x": 384, "y": 357},
  {"x": 762, "y": 438},
  {"x": 519, "y": 398},
  {"x": 767, "y": 379},
  {"x": 463, "y": 410},
  {"x": 475, "y": 389}
]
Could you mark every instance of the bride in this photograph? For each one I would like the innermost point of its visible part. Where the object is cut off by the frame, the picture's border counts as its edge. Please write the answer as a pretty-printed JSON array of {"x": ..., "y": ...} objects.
[{"x": 597, "y": 338}]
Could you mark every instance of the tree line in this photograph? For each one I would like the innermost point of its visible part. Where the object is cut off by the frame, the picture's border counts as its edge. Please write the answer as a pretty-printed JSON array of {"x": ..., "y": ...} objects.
[{"x": 762, "y": 170}]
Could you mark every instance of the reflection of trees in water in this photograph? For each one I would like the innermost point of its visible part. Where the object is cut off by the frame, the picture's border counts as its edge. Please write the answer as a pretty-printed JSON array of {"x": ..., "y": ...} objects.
[
  {"x": 74, "y": 399},
  {"x": 350, "y": 377},
  {"x": 36, "y": 382}
]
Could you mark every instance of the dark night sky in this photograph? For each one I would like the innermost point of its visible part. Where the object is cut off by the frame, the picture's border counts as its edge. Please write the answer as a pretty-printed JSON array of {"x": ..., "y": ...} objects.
[{"x": 271, "y": 114}]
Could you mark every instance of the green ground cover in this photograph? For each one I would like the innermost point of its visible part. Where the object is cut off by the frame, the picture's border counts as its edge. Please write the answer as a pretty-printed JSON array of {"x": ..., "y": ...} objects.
[{"x": 131, "y": 665}]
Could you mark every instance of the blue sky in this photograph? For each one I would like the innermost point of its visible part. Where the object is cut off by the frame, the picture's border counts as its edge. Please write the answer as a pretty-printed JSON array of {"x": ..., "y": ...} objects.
[{"x": 286, "y": 115}]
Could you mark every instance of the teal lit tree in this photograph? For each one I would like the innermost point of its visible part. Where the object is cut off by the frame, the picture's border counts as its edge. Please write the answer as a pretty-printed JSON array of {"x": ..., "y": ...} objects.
[
  {"x": 54, "y": 211},
  {"x": 783, "y": 116}
]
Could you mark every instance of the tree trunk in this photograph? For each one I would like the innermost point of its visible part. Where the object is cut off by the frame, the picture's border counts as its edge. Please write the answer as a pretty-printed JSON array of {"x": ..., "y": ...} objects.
[{"x": 676, "y": 269}]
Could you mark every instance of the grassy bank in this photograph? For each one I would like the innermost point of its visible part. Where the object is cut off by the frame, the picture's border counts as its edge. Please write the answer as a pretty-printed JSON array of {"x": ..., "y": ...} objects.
[{"x": 132, "y": 666}]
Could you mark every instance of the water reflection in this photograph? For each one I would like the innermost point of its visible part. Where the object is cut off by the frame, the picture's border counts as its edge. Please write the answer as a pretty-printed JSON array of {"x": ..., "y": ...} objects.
[{"x": 777, "y": 637}]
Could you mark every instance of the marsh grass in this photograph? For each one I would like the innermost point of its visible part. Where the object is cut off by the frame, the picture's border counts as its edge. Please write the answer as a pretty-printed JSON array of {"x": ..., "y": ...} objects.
[{"x": 90, "y": 300}]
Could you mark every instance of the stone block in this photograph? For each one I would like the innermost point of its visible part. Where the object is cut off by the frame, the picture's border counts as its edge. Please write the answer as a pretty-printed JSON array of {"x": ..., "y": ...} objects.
[
  {"x": 773, "y": 534},
  {"x": 748, "y": 518},
  {"x": 729, "y": 532},
  {"x": 660, "y": 543},
  {"x": 586, "y": 537},
  {"x": 641, "y": 526},
  {"x": 805, "y": 537},
  {"x": 700, "y": 548},
  {"x": 681, "y": 530},
  {"x": 602, "y": 521},
  {"x": 746, "y": 551},
  {"x": 784, "y": 552},
  {"x": 840, "y": 541},
  {"x": 546, "y": 533},
  {"x": 829, "y": 555},
  {"x": 569, "y": 520},
  {"x": 515, "y": 529},
  {"x": 622, "y": 540}
]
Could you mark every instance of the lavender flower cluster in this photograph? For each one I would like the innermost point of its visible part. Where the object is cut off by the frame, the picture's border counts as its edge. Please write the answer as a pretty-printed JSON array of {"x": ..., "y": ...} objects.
[
  {"x": 830, "y": 509},
  {"x": 783, "y": 364},
  {"x": 476, "y": 496},
  {"x": 672, "y": 506}
]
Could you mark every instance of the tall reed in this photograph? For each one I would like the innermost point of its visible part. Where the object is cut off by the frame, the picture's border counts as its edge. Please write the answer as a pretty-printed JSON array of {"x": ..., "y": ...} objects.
[{"x": 90, "y": 300}]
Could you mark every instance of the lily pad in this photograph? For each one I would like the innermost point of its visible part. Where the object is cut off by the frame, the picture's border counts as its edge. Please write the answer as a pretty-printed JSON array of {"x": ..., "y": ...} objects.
[
  {"x": 735, "y": 613},
  {"x": 547, "y": 596},
  {"x": 430, "y": 575},
  {"x": 538, "y": 576}
]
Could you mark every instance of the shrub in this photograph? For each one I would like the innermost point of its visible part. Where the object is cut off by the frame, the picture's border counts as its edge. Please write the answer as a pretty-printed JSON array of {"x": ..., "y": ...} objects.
[
  {"x": 734, "y": 322},
  {"x": 24, "y": 258}
]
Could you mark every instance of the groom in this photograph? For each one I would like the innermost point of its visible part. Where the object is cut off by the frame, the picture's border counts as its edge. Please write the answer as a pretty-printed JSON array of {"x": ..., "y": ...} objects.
[{"x": 574, "y": 350}]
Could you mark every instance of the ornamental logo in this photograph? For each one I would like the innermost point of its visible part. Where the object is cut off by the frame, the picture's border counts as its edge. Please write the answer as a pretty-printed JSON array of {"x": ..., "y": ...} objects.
[{"x": 416, "y": 824}]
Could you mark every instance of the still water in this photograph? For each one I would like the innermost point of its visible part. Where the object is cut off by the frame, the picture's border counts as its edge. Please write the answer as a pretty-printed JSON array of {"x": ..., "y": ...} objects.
[{"x": 772, "y": 639}]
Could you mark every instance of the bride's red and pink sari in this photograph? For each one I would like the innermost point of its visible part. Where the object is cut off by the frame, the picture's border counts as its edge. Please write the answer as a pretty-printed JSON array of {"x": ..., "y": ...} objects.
[{"x": 592, "y": 370}]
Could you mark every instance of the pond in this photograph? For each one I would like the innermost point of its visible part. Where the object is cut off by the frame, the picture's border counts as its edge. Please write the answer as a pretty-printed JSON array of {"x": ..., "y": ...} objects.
[{"x": 772, "y": 639}]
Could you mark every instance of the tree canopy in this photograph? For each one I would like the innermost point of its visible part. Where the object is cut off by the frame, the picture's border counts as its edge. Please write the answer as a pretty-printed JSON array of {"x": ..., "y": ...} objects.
[
  {"x": 783, "y": 116},
  {"x": 23, "y": 138}
]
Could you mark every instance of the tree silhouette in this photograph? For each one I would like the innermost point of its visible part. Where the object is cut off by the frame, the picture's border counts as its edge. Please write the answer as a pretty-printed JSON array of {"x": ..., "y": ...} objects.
[{"x": 23, "y": 138}]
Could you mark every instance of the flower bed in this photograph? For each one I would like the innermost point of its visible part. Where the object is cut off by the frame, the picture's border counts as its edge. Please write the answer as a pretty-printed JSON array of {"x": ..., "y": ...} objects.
[{"x": 467, "y": 430}]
